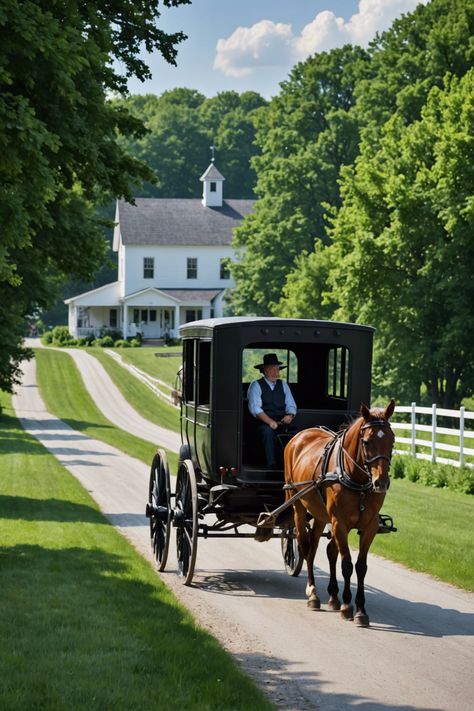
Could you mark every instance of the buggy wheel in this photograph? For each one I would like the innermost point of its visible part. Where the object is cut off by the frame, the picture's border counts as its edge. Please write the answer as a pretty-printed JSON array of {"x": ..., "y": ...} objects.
[
  {"x": 291, "y": 553},
  {"x": 186, "y": 520},
  {"x": 159, "y": 508}
]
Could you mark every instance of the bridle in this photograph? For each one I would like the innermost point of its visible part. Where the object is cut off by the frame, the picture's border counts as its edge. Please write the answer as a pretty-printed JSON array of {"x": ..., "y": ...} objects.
[{"x": 366, "y": 461}]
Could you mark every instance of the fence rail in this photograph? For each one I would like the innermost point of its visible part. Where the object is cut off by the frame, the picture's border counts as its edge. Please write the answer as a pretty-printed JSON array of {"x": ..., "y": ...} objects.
[{"x": 437, "y": 442}]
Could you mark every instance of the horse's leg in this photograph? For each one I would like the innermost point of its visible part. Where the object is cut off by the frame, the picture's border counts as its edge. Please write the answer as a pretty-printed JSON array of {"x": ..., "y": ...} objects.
[
  {"x": 340, "y": 533},
  {"x": 305, "y": 544},
  {"x": 333, "y": 588},
  {"x": 314, "y": 603},
  {"x": 366, "y": 538}
]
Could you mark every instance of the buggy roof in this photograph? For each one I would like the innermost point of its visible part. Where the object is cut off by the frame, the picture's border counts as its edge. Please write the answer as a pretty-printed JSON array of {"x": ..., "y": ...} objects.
[{"x": 204, "y": 326}]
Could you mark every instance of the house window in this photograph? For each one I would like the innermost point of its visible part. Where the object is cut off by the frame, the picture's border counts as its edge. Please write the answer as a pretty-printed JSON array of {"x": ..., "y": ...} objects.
[
  {"x": 224, "y": 268},
  {"x": 144, "y": 316},
  {"x": 213, "y": 187},
  {"x": 136, "y": 316},
  {"x": 152, "y": 314},
  {"x": 192, "y": 268},
  {"x": 193, "y": 315},
  {"x": 148, "y": 267},
  {"x": 113, "y": 318}
]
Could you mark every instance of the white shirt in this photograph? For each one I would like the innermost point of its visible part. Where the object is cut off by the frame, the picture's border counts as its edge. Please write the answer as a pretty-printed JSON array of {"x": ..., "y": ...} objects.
[{"x": 254, "y": 396}]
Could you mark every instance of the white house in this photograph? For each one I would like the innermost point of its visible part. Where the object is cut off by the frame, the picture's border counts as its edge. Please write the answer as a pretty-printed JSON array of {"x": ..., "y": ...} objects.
[{"x": 172, "y": 264}]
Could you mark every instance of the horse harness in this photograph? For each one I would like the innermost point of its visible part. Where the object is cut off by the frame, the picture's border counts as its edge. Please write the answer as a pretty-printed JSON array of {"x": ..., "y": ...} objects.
[{"x": 339, "y": 474}]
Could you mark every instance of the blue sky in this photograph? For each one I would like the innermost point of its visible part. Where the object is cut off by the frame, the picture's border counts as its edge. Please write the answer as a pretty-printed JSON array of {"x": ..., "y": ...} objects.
[{"x": 252, "y": 44}]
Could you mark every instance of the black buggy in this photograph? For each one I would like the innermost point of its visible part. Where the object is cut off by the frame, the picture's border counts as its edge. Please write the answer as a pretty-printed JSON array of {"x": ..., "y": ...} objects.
[{"x": 222, "y": 485}]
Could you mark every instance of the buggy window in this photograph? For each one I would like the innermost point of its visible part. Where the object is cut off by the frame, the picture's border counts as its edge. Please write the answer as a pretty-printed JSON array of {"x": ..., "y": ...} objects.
[
  {"x": 337, "y": 374},
  {"x": 188, "y": 370},
  {"x": 204, "y": 372},
  {"x": 254, "y": 356}
]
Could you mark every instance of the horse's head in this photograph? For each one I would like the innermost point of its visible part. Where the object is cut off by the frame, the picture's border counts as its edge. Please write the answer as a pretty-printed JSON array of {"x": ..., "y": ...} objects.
[{"x": 376, "y": 442}]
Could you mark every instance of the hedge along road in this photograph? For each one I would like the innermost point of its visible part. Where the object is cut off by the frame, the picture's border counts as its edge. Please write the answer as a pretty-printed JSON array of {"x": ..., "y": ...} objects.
[{"x": 417, "y": 654}]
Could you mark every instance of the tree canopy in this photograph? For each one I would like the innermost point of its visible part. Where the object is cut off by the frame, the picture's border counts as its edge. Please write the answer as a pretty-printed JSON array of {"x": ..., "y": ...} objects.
[
  {"x": 392, "y": 237},
  {"x": 182, "y": 124},
  {"x": 59, "y": 64}
]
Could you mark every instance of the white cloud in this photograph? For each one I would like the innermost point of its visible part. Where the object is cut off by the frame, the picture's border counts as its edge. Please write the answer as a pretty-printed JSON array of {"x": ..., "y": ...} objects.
[
  {"x": 274, "y": 44},
  {"x": 264, "y": 44}
]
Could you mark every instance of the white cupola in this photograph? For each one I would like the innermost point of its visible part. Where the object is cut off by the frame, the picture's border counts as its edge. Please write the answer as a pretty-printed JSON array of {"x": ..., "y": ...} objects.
[{"x": 212, "y": 187}]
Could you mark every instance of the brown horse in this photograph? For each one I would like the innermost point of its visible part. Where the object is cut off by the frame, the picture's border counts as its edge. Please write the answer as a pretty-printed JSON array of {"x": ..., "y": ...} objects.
[{"x": 352, "y": 470}]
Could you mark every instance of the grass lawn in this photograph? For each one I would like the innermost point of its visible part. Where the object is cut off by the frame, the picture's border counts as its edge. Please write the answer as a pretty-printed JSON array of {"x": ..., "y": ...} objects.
[
  {"x": 434, "y": 532},
  {"x": 65, "y": 396},
  {"x": 86, "y": 623},
  {"x": 155, "y": 361},
  {"x": 137, "y": 393}
]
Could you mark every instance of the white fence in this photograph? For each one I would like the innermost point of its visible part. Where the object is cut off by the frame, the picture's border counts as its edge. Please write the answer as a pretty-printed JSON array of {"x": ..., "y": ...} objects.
[{"x": 435, "y": 444}]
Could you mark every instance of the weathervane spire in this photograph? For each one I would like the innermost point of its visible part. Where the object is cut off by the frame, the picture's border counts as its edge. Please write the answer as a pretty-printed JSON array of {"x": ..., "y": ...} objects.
[{"x": 213, "y": 148}]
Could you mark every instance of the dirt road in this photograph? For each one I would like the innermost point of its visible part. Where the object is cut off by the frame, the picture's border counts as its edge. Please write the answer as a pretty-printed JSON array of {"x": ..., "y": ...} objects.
[{"x": 417, "y": 654}]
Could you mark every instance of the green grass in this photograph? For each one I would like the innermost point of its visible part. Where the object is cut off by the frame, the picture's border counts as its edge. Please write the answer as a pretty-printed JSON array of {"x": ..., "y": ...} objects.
[
  {"x": 65, "y": 396},
  {"x": 434, "y": 532},
  {"x": 137, "y": 393},
  {"x": 86, "y": 623},
  {"x": 162, "y": 366}
]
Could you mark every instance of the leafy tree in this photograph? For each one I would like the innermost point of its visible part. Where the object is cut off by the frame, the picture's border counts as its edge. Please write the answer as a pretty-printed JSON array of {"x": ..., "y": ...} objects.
[
  {"x": 306, "y": 135},
  {"x": 411, "y": 57},
  {"x": 403, "y": 251},
  {"x": 181, "y": 127},
  {"x": 59, "y": 62}
]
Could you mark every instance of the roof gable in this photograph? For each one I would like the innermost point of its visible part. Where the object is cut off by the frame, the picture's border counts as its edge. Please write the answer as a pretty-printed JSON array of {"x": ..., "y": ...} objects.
[{"x": 163, "y": 221}]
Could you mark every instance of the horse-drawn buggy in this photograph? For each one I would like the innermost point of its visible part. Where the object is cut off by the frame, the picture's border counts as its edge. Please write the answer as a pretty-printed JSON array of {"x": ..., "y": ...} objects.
[{"x": 223, "y": 485}]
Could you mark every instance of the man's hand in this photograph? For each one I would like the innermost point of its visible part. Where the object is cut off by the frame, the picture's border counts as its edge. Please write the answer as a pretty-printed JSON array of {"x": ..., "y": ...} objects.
[{"x": 287, "y": 419}]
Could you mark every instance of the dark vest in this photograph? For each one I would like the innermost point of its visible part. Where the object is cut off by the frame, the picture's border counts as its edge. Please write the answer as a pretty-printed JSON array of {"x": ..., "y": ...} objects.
[{"x": 273, "y": 401}]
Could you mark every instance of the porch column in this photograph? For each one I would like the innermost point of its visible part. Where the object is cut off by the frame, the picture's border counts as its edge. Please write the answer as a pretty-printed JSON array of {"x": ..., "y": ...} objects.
[
  {"x": 125, "y": 320},
  {"x": 176, "y": 322}
]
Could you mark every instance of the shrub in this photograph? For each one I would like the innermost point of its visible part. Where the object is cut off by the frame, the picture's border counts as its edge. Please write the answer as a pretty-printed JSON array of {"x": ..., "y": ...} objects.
[
  {"x": 61, "y": 336},
  {"x": 47, "y": 338},
  {"x": 398, "y": 467},
  {"x": 442, "y": 476},
  {"x": 105, "y": 342},
  {"x": 135, "y": 343},
  {"x": 121, "y": 343}
]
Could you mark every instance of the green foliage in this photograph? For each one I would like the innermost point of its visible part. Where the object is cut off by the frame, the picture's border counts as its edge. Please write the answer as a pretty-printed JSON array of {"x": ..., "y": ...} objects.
[
  {"x": 59, "y": 63},
  {"x": 61, "y": 335},
  {"x": 181, "y": 126},
  {"x": 105, "y": 342},
  {"x": 441, "y": 476},
  {"x": 121, "y": 343},
  {"x": 306, "y": 135}
]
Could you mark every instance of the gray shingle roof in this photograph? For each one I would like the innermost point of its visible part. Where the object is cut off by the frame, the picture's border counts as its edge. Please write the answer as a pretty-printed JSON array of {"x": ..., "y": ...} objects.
[{"x": 163, "y": 221}]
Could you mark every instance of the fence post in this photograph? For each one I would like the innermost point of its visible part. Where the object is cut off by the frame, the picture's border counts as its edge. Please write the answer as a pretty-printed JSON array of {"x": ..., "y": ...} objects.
[
  {"x": 433, "y": 435},
  {"x": 461, "y": 436},
  {"x": 413, "y": 429}
]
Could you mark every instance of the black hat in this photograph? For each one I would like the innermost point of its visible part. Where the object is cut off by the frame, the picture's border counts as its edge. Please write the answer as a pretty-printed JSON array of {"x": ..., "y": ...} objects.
[{"x": 270, "y": 359}]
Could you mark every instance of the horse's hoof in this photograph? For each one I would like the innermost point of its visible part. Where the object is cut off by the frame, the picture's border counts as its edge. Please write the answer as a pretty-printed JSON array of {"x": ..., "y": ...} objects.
[
  {"x": 334, "y": 604},
  {"x": 314, "y": 604},
  {"x": 361, "y": 620},
  {"x": 347, "y": 612}
]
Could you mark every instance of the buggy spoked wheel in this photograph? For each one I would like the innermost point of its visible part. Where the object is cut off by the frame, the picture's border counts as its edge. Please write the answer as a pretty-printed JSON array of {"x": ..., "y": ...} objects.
[
  {"x": 291, "y": 553},
  {"x": 159, "y": 508},
  {"x": 186, "y": 520}
]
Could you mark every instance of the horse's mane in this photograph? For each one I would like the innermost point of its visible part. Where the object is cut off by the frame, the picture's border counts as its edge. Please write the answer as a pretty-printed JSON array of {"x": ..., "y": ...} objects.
[{"x": 347, "y": 425}]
